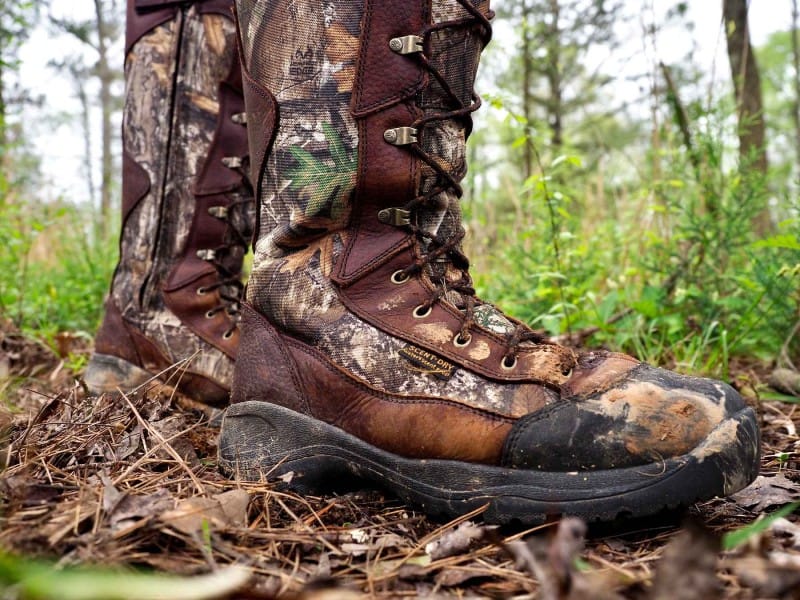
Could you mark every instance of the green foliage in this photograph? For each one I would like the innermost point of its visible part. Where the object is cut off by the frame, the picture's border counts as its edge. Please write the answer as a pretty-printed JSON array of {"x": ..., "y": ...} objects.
[
  {"x": 53, "y": 274},
  {"x": 29, "y": 579},
  {"x": 667, "y": 268}
]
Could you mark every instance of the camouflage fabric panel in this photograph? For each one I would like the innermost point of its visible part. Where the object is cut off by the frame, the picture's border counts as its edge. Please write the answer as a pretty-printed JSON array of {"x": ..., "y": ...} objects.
[
  {"x": 303, "y": 52},
  {"x": 298, "y": 297},
  {"x": 172, "y": 76}
]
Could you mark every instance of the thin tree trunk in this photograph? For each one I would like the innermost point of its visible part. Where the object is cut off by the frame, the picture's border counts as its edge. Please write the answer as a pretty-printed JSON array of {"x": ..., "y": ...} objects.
[
  {"x": 796, "y": 81},
  {"x": 554, "y": 78},
  {"x": 106, "y": 78},
  {"x": 747, "y": 90},
  {"x": 88, "y": 161},
  {"x": 527, "y": 75}
]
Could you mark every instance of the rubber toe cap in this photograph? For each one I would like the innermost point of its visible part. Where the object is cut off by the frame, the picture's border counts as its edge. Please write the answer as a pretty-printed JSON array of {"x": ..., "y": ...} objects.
[{"x": 648, "y": 416}]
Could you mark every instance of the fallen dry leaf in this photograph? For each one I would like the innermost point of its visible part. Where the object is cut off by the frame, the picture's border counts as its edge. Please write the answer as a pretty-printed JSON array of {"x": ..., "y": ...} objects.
[
  {"x": 767, "y": 491},
  {"x": 222, "y": 510},
  {"x": 765, "y": 576},
  {"x": 455, "y": 541}
]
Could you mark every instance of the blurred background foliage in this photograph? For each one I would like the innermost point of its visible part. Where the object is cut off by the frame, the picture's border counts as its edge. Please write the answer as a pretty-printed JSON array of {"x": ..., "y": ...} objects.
[{"x": 651, "y": 209}]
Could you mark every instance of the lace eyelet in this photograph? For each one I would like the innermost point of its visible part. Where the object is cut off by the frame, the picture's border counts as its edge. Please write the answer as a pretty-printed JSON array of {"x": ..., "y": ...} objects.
[
  {"x": 567, "y": 372},
  {"x": 399, "y": 278},
  {"x": 507, "y": 364},
  {"x": 422, "y": 311},
  {"x": 227, "y": 335},
  {"x": 460, "y": 342},
  {"x": 201, "y": 291},
  {"x": 210, "y": 314}
]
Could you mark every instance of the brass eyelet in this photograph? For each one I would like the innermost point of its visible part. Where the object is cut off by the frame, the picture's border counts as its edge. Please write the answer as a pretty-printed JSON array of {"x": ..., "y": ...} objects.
[
  {"x": 460, "y": 342},
  {"x": 422, "y": 311},
  {"x": 399, "y": 278},
  {"x": 201, "y": 291},
  {"x": 508, "y": 365}
]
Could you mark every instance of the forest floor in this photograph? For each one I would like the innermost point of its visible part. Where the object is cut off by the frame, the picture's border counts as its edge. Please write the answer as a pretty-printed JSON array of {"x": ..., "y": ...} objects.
[{"x": 131, "y": 481}]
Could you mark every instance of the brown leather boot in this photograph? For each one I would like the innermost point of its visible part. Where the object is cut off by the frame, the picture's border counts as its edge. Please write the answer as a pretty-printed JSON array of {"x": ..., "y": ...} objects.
[
  {"x": 187, "y": 207},
  {"x": 365, "y": 354}
]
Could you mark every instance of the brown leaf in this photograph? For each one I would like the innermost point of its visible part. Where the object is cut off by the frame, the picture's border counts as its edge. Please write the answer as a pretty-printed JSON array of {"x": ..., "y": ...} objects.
[
  {"x": 171, "y": 430},
  {"x": 340, "y": 49},
  {"x": 455, "y": 541},
  {"x": 222, "y": 510},
  {"x": 767, "y": 491},
  {"x": 454, "y": 576},
  {"x": 23, "y": 491}
]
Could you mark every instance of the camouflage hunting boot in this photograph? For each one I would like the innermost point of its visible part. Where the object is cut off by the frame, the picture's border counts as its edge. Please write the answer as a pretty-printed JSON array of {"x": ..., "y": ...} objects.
[
  {"x": 365, "y": 354},
  {"x": 187, "y": 207}
]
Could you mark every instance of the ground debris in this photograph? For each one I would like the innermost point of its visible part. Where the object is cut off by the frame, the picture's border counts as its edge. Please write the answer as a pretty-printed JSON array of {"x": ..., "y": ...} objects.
[
  {"x": 133, "y": 481},
  {"x": 688, "y": 567}
]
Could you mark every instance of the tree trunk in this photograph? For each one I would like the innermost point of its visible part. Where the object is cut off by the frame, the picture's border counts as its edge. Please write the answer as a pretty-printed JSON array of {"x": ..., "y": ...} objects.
[
  {"x": 555, "y": 104},
  {"x": 527, "y": 82},
  {"x": 796, "y": 82},
  {"x": 106, "y": 77},
  {"x": 747, "y": 90}
]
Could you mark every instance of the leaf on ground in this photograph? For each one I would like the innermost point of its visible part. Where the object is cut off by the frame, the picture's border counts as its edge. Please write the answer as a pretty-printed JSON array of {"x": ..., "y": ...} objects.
[
  {"x": 355, "y": 549},
  {"x": 171, "y": 429},
  {"x": 22, "y": 490},
  {"x": 123, "y": 508},
  {"x": 126, "y": 445},
  {"x": 222, "y": 510},
  {"x": 767, "y": 491},
  {"x": 455, "y": 576},
  {"x": 454, "y": 541}
]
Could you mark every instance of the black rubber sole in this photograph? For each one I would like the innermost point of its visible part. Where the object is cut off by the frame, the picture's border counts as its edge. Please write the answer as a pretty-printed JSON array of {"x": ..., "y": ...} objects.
[{"x": 262, "y": 441}]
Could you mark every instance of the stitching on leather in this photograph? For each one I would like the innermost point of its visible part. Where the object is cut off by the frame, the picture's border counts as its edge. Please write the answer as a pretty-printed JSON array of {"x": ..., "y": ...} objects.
[{"x": 418, "y": 400}]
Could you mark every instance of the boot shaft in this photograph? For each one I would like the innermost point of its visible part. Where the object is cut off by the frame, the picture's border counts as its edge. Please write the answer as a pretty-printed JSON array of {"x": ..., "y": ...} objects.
[
  {"x": 336, "y": 88},
  {"x": 187, "y": 205}
]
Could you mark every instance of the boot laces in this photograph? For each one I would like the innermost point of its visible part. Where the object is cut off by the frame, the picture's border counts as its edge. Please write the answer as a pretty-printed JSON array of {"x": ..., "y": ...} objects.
[
  {"x": 448, "y": 248},
  {"x": 227, "y": 257}
]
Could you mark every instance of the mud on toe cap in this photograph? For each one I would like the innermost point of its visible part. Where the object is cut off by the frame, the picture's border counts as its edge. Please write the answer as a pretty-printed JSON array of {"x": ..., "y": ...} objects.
[{"x": 652, "y": 415}]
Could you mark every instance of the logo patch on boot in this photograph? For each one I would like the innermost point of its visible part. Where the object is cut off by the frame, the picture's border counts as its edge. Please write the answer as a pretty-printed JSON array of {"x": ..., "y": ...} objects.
[{"x": 427, "y": 362}]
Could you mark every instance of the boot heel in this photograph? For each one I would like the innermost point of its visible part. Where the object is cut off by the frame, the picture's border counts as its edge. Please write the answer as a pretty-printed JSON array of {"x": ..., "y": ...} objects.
[
  {"x": 106, "y": 373},
  {"x": 260, "y": 441}
]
